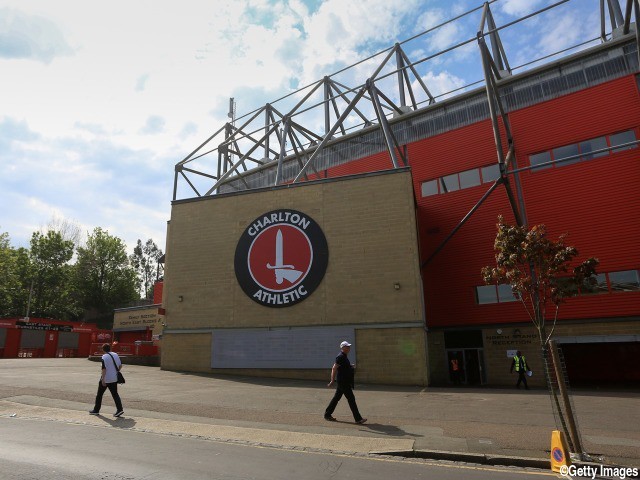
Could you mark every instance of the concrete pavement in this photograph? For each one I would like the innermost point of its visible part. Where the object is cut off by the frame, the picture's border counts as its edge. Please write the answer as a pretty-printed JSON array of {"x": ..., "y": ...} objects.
[{"x": 499, "y": 426}]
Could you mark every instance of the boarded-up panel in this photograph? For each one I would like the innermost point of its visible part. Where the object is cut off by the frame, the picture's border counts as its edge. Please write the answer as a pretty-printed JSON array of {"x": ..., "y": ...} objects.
[
  {"x": 297, "y": 348},
  {"x": 32, "y": 338},
  {"x": 68, "y": 340}
]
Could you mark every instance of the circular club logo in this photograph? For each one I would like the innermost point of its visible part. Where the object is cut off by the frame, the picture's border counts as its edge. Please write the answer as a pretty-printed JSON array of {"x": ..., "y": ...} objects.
[{"x": 281, "y": 258}]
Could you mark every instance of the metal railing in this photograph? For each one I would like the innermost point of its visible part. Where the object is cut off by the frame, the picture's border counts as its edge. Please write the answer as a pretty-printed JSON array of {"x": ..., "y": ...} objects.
[{"x": 139, "y": 348}]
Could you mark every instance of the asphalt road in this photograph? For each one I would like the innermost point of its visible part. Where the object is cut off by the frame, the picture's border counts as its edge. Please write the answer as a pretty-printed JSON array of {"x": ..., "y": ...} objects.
[
  {"x": 32, "y": 449},
  {"x": 483, "y": 426}
]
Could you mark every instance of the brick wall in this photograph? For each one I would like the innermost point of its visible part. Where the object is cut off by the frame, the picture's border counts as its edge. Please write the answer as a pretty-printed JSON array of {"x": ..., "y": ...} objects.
[
  {"x": 369, "y": 224},
  {"x": 186, "y": 352},
  {"x": 438, "y": 369},
  {"x": 392, "y": 356},
  {"x": 497, "y": 363}
]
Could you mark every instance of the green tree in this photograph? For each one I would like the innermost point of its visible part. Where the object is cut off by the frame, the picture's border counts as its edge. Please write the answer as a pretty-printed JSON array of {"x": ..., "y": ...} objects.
[
  {"x": 22, "y": 272},
  {"x": 145, "y": 261},
  {"x": 51, "y": 274},
  {"x": 104, "y": 279},
  {"x": 9, "y": 281},
  {"x": 538, "y": 270}
]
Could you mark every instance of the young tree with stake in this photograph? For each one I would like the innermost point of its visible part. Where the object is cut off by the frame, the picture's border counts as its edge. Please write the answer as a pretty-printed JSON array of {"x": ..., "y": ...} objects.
[{"x": 537, "y": 269}]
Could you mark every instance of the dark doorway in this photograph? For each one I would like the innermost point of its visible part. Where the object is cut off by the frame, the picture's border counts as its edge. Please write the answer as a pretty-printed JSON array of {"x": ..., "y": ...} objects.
[
  {"x": 466, "y": 366},
  {"x": 472, "y": 364},
  {"x": 602, "y": 364},
  {"x": 465, "y": 351}
]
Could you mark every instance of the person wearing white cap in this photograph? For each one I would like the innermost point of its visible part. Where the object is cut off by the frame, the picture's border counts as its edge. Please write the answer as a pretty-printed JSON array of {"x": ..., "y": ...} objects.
[{"x": 342, "y": 373}]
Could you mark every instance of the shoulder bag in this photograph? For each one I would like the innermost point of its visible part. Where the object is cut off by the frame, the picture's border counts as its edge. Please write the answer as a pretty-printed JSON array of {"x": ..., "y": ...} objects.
[{"x": 120, "y": 376}]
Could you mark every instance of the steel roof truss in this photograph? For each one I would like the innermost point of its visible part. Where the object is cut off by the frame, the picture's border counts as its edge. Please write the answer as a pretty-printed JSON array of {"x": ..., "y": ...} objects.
[
  {"x": 500, "y": 56},
  {"x": 389, "y": 138},
  {"x": 330, "y": 133}
]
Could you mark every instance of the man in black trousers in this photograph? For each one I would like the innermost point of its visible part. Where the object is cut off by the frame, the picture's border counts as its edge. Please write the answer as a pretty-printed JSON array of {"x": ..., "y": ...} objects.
[
  {"x": 111, "y": 365},
  {"x": 520, "y": 364},
  {"x": 343, "y": 374}
]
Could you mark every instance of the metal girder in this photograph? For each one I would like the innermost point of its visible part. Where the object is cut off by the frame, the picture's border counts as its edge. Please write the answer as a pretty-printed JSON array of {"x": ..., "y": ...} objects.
[
  {"x": 283, "y": 149},
  {"x": 267, "y": 139},
  {"x": 335, "y": 86},
  {"x": 393, "y": 147},
  {"x": 389, "y": 137},
  {"x": 402, "y": 65},
  {"x": 329, "y": 134},
  {"x": 620, "y": 22},
  {"x": 280, "y": 137},
  {"x": 615, "y": 16},
  {"x": 494, "y": 68},
  {"x": 499, "y": 55},
  {"x": 495, "y": 105},
  {"x": 463, "y": 221}
]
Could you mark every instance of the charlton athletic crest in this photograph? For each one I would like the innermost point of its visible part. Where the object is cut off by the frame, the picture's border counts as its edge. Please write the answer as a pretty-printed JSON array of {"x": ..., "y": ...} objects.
[{"x": 281, "y": 258}]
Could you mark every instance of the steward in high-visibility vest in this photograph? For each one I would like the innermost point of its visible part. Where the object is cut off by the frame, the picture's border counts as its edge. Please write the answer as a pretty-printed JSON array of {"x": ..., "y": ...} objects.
[{"x": 520, "y": 364}]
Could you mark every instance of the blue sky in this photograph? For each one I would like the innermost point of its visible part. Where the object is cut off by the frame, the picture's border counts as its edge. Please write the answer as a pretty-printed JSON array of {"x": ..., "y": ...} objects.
[{"x": 99, "y": 100}]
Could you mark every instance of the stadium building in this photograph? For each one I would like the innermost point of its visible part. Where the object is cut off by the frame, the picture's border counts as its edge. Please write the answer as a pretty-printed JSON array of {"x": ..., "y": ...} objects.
[{"x": 367, "y": 214}]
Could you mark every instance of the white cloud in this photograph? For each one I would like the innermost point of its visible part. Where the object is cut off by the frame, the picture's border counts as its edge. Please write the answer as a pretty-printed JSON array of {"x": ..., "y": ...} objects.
[
  {"x": 154, "y": 124},
  {"x": 441, "y": 83},
  {"x": 189, "y": 129},
  {"x": 346, "y": 31},
  {"x": 102, "y": 99},
  {"x": 30, "y": 37},
  {"x": 563, "y": 31},
  {"x": 519, "y": 7},
  {"x": 141, "y": 82}
]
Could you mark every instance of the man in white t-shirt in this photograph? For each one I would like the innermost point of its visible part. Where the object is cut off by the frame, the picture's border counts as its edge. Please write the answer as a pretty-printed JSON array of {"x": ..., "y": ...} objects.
[{"x": 111, "y": 365}]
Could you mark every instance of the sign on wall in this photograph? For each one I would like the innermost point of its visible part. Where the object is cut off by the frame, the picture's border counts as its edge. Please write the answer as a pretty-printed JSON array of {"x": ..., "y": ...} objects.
[
  {"x": 43, "y": 326},
  {"x": 281, "y": 258},
  {"x": 137, "y": 319}
]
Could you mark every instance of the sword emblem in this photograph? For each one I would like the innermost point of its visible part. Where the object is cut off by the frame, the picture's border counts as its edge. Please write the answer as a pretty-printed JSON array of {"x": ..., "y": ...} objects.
[{"x": 282, "y": 271}]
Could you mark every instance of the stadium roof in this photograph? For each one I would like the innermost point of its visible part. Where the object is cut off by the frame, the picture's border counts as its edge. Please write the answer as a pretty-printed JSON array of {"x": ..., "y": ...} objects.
[{"x": 328, "y": 122}]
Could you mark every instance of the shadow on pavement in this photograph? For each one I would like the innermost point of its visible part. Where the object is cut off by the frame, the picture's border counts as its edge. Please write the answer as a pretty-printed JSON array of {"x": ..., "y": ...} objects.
[
  {"x": 621, "y": 391},
  {"x": 118, "y": 422},
  {"x": 390, "y": 430}
]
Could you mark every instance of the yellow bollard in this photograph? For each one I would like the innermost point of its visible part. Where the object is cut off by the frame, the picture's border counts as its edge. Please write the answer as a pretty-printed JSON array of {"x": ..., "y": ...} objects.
[{"x": 559, "y": 452}]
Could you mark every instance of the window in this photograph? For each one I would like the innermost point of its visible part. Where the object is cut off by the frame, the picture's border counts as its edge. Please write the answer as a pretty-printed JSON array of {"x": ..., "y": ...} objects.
[
  {"x": 565, "y": 152},
  {"x": 470, "y": 178},
  {"x": 505, "y": 294},
  {"x": 584, "y": 149},
  {"x": 621, "y": 138},
  {"x": 492, "y": 294},
  {"x": 539, "y": 158},
  {"x": 429, "y": 188},
  {"x": 449, "y": 183},
  {"x": 591, "y": 145},
  {"x": 490, "y": 173},
  {"x": 594, "y": 285},
  {"x": 627, "y": 281},
  {"x": 461, "y": 180},
  {"x": 567, "y": 284},
  {"x": 486, "y": 294}
]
